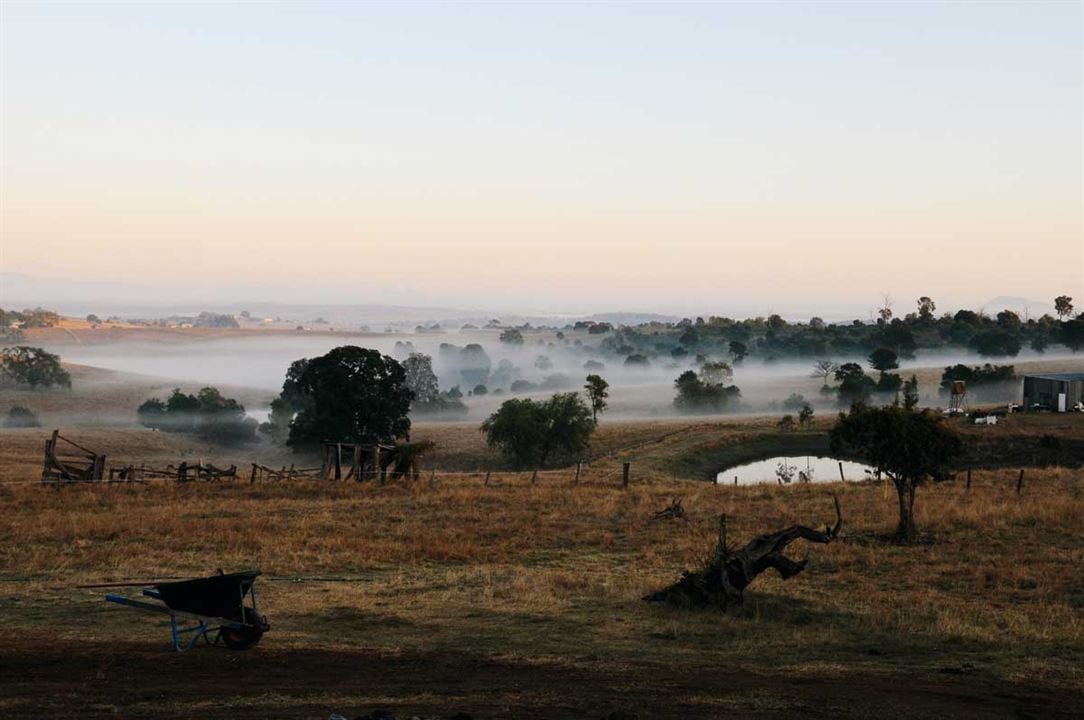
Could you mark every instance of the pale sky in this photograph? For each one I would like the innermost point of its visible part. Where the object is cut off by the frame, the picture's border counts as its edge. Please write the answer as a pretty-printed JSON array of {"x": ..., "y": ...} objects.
[{"x": 574, "y": 157}]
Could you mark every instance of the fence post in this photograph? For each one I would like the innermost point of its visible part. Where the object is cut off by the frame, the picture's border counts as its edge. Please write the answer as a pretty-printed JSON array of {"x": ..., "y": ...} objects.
[
  {"x": 841, "y": 478},
  {"x": 1020, "y": 482},
  {"x": 432, "y": 477},
  {"x": 487, "y": 478},
  {"x": 325, "y": 465},
  {"x": 534, "y": 476},
  {"x": 969, "y": 477},
  {"x": 625, "y": 474},
  {"x": 576, "y": 480},
  {"x": 338, "y": 461}
]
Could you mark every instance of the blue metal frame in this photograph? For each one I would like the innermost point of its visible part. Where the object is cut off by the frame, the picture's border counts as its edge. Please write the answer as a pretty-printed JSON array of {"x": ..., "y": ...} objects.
[{"x": 200, "y": 630}]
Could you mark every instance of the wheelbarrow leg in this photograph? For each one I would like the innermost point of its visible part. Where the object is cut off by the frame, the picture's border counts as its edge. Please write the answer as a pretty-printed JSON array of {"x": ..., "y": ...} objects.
[{"x": 199, "y": 631}]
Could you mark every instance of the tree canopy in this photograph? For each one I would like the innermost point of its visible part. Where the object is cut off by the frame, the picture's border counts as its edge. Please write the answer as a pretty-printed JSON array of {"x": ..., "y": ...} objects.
[
  {"x": 351, "y": 394},
  {"x": 33, "y": 367},
  {"x": 908, "y": 446},
  {"x": 597, "y": 392},
  {"x": 529, "y": 432},
  {"x": 209, "y": 414},
  {"x": 700, "y": 394}
]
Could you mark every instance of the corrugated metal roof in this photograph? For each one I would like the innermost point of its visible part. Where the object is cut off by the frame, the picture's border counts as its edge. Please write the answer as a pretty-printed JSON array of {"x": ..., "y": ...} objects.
[{"x": 1063, "y": 377}]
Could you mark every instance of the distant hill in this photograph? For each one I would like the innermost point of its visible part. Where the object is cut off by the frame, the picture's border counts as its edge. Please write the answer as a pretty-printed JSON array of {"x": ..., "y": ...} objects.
[
  {"x": 1024, "y": 307},
  {"x": 632, "y": 318}
]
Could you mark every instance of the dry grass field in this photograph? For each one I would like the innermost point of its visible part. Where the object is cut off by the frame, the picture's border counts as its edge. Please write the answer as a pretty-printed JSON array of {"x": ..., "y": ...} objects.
[
  {"x": 524, "y": 601},
  {"x": 521, "y": 600}
]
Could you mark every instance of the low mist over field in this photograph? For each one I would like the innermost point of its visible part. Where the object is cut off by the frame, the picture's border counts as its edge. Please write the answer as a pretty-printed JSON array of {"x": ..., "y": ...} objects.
[{"x": 640, "y": 362}]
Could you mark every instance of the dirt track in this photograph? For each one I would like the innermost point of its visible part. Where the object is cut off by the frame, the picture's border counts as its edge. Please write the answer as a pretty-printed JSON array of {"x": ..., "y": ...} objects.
[{"x": 126, "y": 679}]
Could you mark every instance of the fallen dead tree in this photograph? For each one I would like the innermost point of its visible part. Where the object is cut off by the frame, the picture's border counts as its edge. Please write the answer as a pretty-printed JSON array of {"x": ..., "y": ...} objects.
[
  {"x": 724, "y": 579},
  {"x": 674, "y": 511}
]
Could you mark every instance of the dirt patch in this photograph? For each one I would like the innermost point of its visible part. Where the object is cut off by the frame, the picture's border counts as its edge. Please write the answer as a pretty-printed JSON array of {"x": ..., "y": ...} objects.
[{"x": 126, "y": 679}]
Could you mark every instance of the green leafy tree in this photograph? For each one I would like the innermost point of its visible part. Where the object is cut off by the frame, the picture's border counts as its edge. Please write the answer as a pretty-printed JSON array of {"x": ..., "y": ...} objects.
[
  {"x": 181, "y": 412},
  {"x": 420, "y": 379},
  {"x": 278, "y": 421},
  {"x": 1071, "y": 334},
  {"x": 910, "y": 393},
  {"x": 738, "y": 351},
  {"x": 805, "y": 415},
  {"x": 1008, "y": 320},
  {"x": 854, "y": 385},
  {"x": 884, "y": 359},
  {"x": 351, "y": 394},
  {"x": 694, "y": 395},
  {"x": 1063, "y": 306},
  {"x": 291, "y": 386},
  {"x": 908, "y": 446},
  {"x": 209, "y": 414},
  {"x": 528, "y": 432},
  {"x": 995, "y": 343},
  {"x": 34, "y": 367},
  {"x": 152, "y": 414},
  {"x": 597, "y": 392},
  {"x": 511, "y": 336},
  {"x": 795, "y": 401},
  {"x": 222, "y": 420},
  {"x": 926, "y": 308},
  {"x": 717, "y": 373}
]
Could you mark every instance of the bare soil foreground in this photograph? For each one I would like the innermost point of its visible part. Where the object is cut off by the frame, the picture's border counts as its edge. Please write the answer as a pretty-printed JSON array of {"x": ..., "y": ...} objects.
[{"x": 521, "y": 600}]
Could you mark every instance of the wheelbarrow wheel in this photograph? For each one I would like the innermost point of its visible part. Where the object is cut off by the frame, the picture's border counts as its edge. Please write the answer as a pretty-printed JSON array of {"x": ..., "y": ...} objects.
[{"x": 245, "y": 637}]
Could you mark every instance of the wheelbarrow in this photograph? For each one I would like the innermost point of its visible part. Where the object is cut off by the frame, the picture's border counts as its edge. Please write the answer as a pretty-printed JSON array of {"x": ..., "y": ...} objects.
[{"x": 211, "y": 609}]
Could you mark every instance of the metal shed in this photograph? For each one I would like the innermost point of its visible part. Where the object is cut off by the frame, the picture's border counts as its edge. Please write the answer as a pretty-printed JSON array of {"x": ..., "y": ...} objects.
[{"x": 1054, "y": 391}]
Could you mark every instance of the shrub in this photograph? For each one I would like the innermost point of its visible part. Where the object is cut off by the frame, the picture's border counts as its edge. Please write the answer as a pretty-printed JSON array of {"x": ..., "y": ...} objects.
[{"x": 20, "y": 417}]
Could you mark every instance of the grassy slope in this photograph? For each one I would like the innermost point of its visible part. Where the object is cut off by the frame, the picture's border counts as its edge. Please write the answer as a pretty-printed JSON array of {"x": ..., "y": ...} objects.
[{"x": 547, "y": 579}]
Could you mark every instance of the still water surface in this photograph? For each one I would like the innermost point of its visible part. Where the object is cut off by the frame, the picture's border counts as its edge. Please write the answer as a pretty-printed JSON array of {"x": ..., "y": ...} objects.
[{"x": 794, "y": 470}]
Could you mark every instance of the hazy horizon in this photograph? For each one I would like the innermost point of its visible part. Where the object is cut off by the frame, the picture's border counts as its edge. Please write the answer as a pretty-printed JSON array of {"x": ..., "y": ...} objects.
[{"x": 550, "y": 159}]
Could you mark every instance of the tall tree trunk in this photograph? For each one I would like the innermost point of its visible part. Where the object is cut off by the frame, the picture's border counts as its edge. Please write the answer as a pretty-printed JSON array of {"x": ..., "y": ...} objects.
[{"x": 905, "y": 530}]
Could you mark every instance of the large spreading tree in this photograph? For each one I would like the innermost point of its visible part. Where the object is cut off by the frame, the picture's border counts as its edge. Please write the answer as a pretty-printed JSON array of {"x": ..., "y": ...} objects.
[
  {"x": 351, "y": 394},
  {"x": 910, "y": 447},
  {"x": 33, "y": 366}
]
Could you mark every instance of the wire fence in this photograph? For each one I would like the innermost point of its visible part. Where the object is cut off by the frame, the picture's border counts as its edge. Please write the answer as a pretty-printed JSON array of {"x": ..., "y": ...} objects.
[{"x": 200, "y": 473}]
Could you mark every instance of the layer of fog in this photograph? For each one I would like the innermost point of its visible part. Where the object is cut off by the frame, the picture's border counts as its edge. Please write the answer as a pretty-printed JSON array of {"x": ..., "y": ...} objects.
[{"x": 258, "y": 364}]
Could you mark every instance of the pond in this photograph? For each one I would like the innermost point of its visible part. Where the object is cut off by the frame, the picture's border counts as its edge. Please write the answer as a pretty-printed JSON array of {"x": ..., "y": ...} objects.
[{"x": 794, "y": 470}]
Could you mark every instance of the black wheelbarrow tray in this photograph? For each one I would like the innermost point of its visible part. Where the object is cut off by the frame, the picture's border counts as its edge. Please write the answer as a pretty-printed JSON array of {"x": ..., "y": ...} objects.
[{"x": 213, "y": 607}]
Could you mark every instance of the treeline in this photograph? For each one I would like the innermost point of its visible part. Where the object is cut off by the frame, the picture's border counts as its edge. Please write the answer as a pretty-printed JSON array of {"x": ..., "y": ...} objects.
[
  {"x": 38, "y": 317},
  {"x": 358, "y": 395},
  {"x": 1002, "y": 335},
  {"x": 203, "y": 320}
]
